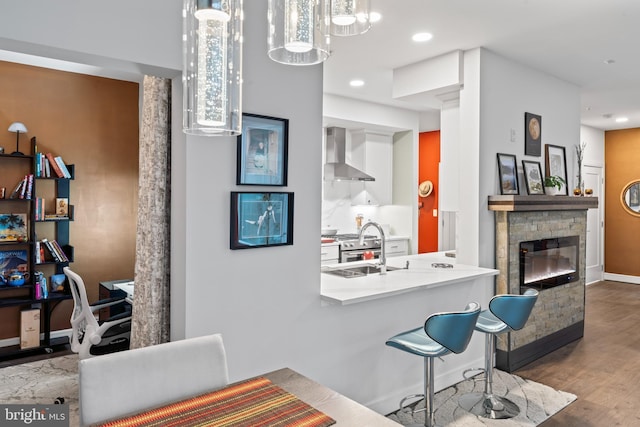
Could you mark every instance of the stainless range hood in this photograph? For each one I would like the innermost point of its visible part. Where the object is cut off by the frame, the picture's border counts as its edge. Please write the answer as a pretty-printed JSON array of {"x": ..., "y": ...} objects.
[{"x": 336, "y": 167}]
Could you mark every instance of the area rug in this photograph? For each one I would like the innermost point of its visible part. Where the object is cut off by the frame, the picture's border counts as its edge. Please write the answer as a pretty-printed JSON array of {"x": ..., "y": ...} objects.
[
  {"x": 43, "y": 382},
  {"x": 537, "y": 402}
]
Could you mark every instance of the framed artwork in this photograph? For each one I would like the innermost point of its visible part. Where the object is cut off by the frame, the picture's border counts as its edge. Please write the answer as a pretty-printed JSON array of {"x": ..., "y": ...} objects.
[
  {"x": 532, "y": 134},
  {"x": 508, "y": 172},
  {"x": 262, "y": 151},
  {"x": 13, "y": 227},
  {"x": 556, "y": 164},
  {"x": 533, "y": 177},
  {"x": 261, "y": 219}
]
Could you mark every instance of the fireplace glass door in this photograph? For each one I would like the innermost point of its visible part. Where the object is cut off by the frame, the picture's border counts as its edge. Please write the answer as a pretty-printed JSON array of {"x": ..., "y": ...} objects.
[{"x": 547, "y": 263}]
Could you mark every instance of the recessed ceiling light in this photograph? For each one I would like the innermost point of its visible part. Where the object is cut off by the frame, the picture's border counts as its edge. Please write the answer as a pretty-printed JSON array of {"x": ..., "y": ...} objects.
[
  {"x": 609, "y": 61},
  {"x": 356, "y": 83},
  {"x": 374, "y": 17},
  {"x": 622, "y": 119},
  {"x": 422, "y": 37},
  {"x": 607, "y": 116}
]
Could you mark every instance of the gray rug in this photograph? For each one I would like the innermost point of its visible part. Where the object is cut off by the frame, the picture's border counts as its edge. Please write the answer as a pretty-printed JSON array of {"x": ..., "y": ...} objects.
[
  {"x": 537, "y": 402},
  {"x": 43, "y": 382}
]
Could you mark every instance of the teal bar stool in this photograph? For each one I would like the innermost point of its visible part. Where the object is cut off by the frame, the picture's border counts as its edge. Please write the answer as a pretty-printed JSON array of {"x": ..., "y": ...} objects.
[
  {"x": 506, "y": 313},
  {"x": 442, "y": 333}
]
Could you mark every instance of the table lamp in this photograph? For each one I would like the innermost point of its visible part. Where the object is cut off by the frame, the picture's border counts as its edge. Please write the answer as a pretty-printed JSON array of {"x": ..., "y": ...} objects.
[{"x": 17, "y": 127}]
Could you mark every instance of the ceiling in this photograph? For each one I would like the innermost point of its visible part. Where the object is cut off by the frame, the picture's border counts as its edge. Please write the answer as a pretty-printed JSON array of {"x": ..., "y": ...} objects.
[{"x": 570, "y": 39}]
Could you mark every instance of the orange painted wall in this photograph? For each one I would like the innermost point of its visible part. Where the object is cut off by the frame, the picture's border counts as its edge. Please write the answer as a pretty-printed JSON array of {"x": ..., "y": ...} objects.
[
  {"x": 622, "y": 155},
  {"x": 91, "y": 122},
  {"x": 428, "y": 162}
]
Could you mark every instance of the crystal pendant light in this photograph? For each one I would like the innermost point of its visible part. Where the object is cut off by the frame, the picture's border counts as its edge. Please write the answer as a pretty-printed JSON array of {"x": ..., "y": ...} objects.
[
  {"x": 349, "y": 17},
  {"x": 212, "y": 67},
  {"x": 298, "y": 31}
]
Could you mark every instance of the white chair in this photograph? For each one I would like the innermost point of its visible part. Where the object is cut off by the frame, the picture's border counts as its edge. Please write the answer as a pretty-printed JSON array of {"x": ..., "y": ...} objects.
[
  {"x": 89, "y": 337},
  {"x": 119, "y": 384}
]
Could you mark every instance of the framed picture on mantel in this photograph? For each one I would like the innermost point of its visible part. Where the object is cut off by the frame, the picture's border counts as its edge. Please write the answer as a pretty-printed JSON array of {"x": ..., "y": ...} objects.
[
  {"x": 556, "y": 164},
  {"x": 262, "y": 151},
  {"x": 508, "y": 172}
]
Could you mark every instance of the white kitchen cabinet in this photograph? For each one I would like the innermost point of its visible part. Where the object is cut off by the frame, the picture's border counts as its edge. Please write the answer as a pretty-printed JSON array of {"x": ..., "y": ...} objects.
[
  {"x": 375, "y": 150},
  {"x": 329, "y": 254},
  {"x": 396, "y": 247}
]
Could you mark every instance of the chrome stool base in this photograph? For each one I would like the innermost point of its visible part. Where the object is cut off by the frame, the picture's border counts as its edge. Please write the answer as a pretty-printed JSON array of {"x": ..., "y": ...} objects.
[{"x": 488, "y": 406}]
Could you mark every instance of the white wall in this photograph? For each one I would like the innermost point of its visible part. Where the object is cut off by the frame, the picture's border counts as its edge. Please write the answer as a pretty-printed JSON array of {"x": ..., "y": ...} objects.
[{"x": 507, "y": 91}]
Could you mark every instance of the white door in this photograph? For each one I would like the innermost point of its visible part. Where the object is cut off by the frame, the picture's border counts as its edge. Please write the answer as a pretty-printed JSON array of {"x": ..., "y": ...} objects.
[{"x": 595, "y": 225}]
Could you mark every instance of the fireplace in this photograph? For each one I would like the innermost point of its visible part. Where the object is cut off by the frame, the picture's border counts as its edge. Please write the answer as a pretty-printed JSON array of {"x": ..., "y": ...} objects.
[{"x": 547, "y": 263}]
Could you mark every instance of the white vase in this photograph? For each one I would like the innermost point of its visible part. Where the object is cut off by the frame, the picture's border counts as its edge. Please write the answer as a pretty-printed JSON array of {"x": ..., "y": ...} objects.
[{"x": 551, "y": 191}]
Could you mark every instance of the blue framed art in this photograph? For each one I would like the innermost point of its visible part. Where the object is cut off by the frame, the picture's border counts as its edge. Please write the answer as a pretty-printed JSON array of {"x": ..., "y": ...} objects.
[{"x": 262, "y": 151}]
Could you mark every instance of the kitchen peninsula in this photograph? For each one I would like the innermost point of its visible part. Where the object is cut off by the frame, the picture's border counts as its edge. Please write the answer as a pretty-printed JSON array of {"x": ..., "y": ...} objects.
[{"x": 410, "y": 273}]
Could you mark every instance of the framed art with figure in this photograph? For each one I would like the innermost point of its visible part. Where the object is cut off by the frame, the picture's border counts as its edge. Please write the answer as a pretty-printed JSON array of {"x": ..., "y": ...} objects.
[
  {"x": 556, "y": 164},
  {"x": 262, "y": 151},
  {"x": 533, "y": 177},
  {"x": 508, "y": 172},
  {"x": 261, "y": 219}
]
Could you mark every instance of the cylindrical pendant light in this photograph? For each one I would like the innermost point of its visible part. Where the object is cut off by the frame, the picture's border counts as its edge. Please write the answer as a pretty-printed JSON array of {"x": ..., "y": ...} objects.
[
  {"x": 212, "y": 67},
  {"x": 349, "y": 17},
  {"x": 298, "y": 31}
]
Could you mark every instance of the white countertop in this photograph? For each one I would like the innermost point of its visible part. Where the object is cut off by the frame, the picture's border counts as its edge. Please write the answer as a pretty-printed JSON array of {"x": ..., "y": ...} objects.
[{"x": 420, "y": 275}]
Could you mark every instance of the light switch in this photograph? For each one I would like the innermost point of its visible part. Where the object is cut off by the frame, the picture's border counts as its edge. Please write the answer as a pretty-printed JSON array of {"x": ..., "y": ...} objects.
[
  {"x": 435, "y": 212},
  {"x": 513, "y": 135}
]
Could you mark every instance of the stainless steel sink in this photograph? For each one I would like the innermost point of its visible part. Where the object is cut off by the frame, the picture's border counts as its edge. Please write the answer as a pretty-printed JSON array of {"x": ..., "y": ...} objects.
[{"x": 357, "y": 271}]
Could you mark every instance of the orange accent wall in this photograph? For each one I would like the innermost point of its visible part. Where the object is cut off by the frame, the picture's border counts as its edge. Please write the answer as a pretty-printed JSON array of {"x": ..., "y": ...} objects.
[
  {"x": 428, "y": 166},
  {"x": 91, "y": 122},
  {"x": 622, "y": 156}
]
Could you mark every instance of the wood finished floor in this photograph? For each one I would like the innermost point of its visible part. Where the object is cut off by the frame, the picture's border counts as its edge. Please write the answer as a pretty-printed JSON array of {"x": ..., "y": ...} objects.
[{"x": 602, "y": 368}]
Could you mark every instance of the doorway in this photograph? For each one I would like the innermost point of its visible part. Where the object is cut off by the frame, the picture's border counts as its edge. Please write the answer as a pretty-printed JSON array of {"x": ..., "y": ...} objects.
[{"x": 595, "y": 226}]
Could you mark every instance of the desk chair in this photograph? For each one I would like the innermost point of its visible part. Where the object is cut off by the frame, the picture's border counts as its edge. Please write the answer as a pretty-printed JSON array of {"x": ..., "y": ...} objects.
[
  {"x": 89, "y": 337},
  {"x": 506, "y": 313},
  {"x": 128, "y": 382},
  {"x": 442, "y": 334}
]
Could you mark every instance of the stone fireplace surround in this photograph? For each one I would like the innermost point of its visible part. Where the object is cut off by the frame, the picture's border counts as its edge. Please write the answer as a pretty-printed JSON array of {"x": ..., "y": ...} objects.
[{"x": 558, "y": 316}]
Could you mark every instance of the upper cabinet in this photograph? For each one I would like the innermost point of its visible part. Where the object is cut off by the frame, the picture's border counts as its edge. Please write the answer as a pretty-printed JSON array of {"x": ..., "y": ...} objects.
[{"x": 374, "y": 151}]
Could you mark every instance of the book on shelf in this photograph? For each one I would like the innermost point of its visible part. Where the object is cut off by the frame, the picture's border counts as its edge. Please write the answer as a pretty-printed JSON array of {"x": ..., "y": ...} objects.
[
  {"x": 54, "y": 249},
  {"x": 15, "y": 194},
  {"x": 54, "y": 165},
  {"x": 13, "y": 260},
  {"x": 58, "y": 248},
  {"x": 29, "y": 191},
  {"x": 63, "y": 167}
]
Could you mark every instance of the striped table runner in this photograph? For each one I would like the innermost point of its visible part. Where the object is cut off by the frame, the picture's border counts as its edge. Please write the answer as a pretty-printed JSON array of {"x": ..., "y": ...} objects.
[{"x": 252, "y": 403}]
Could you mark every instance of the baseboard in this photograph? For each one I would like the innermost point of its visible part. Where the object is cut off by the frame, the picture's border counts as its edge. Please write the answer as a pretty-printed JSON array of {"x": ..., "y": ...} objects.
[
  {"x": 510, "y": 361},
  {"x": 622, "y": 278},
  {"x": 7, "y": 342}
]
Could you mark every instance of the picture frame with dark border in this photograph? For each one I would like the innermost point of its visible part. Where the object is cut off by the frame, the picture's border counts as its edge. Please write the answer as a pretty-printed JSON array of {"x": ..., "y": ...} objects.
[
  {"x": 508, "y": 174},
  {"x": 532, "y": 172},
  {"x": 532, "y": 134},
  {"x": 261, "y": 219},
  {"x": 262, "y": 151},
  {"x": 555, "y": 159}
]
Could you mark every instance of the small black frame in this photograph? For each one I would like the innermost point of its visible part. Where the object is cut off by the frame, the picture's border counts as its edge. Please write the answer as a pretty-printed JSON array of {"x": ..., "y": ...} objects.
[
  {"x": 508, "y": 173},
  {"x": 260, "y": 219}
]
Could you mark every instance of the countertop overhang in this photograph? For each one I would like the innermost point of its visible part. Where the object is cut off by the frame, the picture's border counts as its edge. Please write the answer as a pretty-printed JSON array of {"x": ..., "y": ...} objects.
[
  {"x": 419, "y": 276},
  {"x": 512, "y": 203}
]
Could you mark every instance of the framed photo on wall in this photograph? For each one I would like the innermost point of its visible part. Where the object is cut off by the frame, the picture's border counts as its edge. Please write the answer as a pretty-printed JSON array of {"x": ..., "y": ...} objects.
[
  {"x": 508, "y": 172},
  {"x": 532, "y": 134},
  {"x": 533, "y": 177},
  {"x": 262, "y": 151},
  {"x": 261, "y": 219},
  {"x": 556, "y": 164}
]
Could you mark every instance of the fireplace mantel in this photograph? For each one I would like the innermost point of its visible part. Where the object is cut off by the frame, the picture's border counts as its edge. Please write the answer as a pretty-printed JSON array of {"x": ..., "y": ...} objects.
[{"x": 511, "y": 203}]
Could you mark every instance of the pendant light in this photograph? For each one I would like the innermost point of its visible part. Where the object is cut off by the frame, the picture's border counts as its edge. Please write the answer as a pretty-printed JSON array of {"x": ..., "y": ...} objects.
[
  {"x": 350, "y": 17},
  {"x": 298, "y": 31},
  {"x": 212, "y": 67}
]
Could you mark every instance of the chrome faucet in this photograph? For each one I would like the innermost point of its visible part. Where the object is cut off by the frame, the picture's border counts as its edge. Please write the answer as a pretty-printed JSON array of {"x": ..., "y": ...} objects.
[{"x": 383, "y": 257}]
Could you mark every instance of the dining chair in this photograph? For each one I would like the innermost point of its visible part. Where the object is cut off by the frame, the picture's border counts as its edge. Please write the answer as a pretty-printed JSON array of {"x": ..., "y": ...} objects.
[{"x": 128, "y": 382}]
